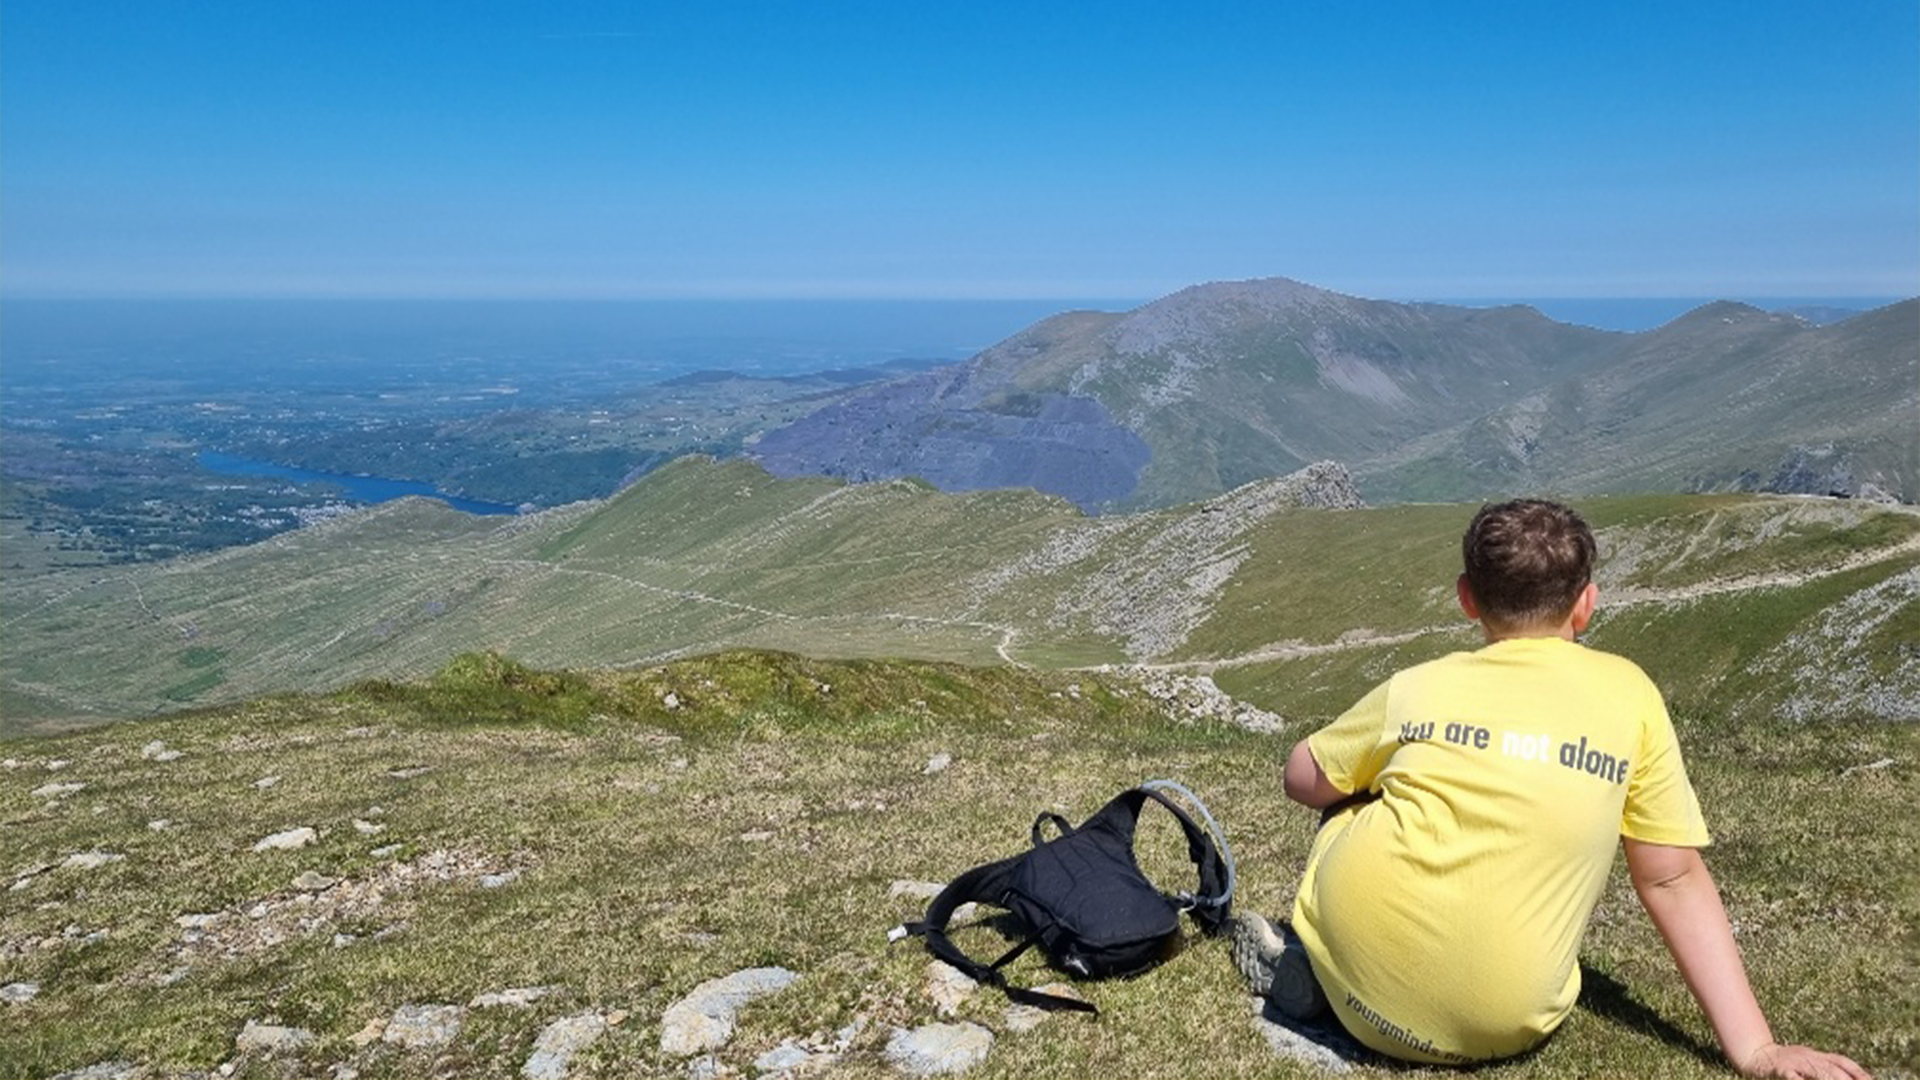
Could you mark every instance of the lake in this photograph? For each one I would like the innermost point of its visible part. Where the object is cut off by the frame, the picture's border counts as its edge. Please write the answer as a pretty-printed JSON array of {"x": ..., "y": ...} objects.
[{"x": 361, "y": 489}]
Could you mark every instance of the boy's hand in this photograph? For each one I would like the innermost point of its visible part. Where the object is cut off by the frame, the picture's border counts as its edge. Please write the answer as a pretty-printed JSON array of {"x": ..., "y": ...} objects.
[{"x": 1800, "y": 1063}]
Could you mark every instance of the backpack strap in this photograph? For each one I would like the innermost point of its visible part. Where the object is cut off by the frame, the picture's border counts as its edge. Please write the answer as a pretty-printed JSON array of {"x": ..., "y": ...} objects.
[
  {"x": 986, "y": 884},
  {"x": 1214, "y": 862}
]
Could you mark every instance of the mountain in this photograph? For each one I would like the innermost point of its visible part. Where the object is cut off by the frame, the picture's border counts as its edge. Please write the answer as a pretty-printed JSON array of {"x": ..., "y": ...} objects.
[
  {"x": 1219, "y": 384},
  {"x": 1285, "y": 590},
  {"x": 1727, "y": 397}
]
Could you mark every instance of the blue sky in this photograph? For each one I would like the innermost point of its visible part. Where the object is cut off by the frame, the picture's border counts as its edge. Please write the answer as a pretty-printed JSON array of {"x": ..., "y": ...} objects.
[{"x": 778, "y": 149}]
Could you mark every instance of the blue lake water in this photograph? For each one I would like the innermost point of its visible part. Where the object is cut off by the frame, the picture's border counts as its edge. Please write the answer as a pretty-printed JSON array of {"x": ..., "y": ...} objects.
[{"x": 363, "y": 489}]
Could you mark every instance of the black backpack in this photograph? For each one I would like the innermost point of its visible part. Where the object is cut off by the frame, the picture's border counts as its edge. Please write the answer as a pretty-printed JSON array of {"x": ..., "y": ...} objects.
[{"x": 1084, "y": 900}]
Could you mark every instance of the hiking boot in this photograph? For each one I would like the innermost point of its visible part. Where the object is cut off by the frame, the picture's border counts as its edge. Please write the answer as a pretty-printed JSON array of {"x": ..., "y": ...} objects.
[{"x": 1275, "y": 965}]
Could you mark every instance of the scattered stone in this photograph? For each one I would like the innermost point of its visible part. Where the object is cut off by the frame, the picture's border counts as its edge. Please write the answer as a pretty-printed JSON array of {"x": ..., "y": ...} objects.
[
  {"x": 939, "y": 1049},
  {"x": 556, "y": 1044},
  {"x": 160, "y": 824},
  {"x": 1871, "y": 766},
  {"x": 56, "y": 790},
  {"x": 792, "y": 1059},
  {"x": 343, "y": 1071},
  {"x": 1024, "y": 1018},
  {"x": 91, "y": 860},
  {"x": 948, "y": 986},
  {"x": 677, "y": 764},
  {"x": 271, "y": 1038},
  {"x": 406, "y": 772},
  {"x": 757, "y": 836},
  {"x": 172, "y": 976},
  {"x": 197, "y": 921},
  {"x": 288, "y": 840},
  {"x": 367, "y": 828},
  {"x": 1294, "y": 1044},
  {"x": 56, "y": 764},
  {"x": 157, "y": 751},
  {"x": 341, "y": 941},
  {"x": 518, "y": 997},
  {"x": 259, "y": 911},
  {"x": 314, "y": 881},
  {"x": 671, "y": 700},
  {"x": 494, "y": 881},
  {"x": 370, "y": 1032},
  {"x": 375, "y": 811},
  {"x": 1189, "y": 699},
  {"x": 703, "y": 1020},
  {"x": 386, "y": 852},
  {"x": 706, "y": 1067},
  {"x": 10, "y": 763},
  {"x": 104, "y": 1070},
  {"x": 423, "y": 1027},
  {"x": 266, "y": 782},
  {"x": 19, "y": 993},
  {"x": 937, "y": 763}
]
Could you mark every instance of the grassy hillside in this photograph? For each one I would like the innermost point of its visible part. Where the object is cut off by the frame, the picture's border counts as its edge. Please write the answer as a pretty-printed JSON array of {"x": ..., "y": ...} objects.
[
  {"x": 496, "y": 827},
  {"x": 1728, "y": 397},
  {"x": 1733, "y": 598}
]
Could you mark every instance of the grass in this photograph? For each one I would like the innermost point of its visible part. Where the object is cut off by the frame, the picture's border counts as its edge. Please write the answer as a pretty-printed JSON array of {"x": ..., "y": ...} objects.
[{"x": 760, "y": 817}]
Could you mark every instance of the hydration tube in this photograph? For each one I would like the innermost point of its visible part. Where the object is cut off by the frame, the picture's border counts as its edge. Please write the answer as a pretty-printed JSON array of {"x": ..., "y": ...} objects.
[{"x": 1213, "y": 827}]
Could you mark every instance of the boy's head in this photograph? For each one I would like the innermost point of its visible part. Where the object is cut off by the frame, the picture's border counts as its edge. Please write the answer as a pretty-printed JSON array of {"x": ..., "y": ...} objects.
[{"x": 1528, "y": 566}]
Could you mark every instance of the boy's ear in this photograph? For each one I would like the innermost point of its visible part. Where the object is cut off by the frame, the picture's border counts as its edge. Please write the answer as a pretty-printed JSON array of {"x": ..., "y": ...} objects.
[
  {"x": 1583, "y": 606},
  {"x": 1467, "y": 603}
]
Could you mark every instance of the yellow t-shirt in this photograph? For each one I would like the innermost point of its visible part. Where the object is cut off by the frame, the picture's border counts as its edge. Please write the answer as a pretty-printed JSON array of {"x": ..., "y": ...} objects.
[{"x": 1444, "y": 918}]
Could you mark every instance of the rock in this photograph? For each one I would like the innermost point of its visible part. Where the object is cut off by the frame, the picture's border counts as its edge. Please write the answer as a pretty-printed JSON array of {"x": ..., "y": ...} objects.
[
  {"x": 19, "y": 993},
  {"x": 938, "y": 1049},
  {"x": 157, "y": 751},
  {"x": 703, "y": 1020},
  {"x": 160, "y": 824},
  {"x": 556, "y": 1044},
  {"x": 1294, "y": 1043},
  {"x": 518, "y": 997},
  {"x": 423, "y": 1027},
  {"x": 1023, "y": 1018},
  {"x": 405, "y": 772},
  {"x": 671, "y": 700},
  {"x": 367, "y": 828},
  {"x": 266, "y": 782},
  {"x": 386, "y": 852},
  {"x": 937, "y": 763},
  {"x": 56, "y": 764},
  {"x": 288, "y": 840},
  {"x": 343, "y": 1071},
  {"x": 270, "y": 1038},
  {"x": 259, "y": 911},
  {"x": 792, "y": 1059},
  {"x": 197, "y": 921},
  {"x": 56, "y": 790},
  {"x": 314, "y": 881},
  {"x": 91, "y": 860},
  {"x": 948, "y": 986},
  {"x": 341, "y": 941},
  {"x": 757, "y": 836},
  {"x": 494, "y": 881},
  {"x": 706, "y": 1067},
  {"x": 104, "y": 1070}
]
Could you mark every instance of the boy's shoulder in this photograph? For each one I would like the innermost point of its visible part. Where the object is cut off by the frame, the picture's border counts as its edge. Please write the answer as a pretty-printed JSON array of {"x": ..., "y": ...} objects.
[{"x": 1576, "y": 659}]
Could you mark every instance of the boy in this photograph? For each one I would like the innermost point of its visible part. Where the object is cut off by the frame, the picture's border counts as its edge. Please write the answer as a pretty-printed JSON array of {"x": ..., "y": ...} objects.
[{"x": 1472, "y": 805}]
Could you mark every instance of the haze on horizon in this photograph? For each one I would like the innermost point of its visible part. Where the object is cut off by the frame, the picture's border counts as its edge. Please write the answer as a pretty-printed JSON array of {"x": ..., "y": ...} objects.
[{"x": 745, "y": 150}]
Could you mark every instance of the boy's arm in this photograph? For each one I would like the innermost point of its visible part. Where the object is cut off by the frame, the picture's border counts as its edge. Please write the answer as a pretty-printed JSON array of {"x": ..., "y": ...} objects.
[
  {"x": 1679, "y": 894},
  {"x": 1306, "y": 782}
]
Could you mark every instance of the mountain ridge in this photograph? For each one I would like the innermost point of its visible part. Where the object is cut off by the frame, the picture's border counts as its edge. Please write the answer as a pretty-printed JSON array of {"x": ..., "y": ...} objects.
[{"x": 1219, "y": 383}]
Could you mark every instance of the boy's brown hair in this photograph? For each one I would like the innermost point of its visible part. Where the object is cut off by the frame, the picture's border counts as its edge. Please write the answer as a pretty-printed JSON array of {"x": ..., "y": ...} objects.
[{"x": 1527, "y": 561}]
